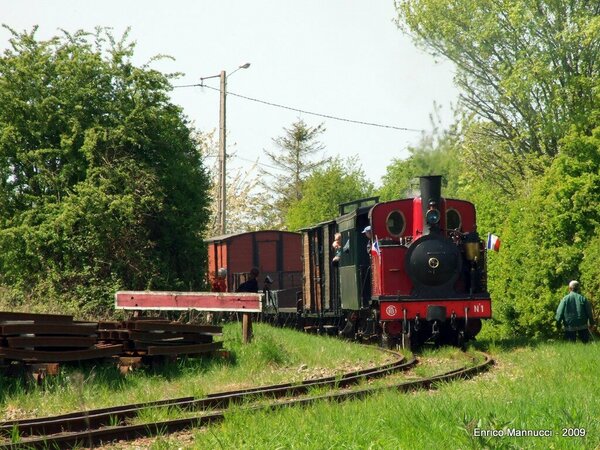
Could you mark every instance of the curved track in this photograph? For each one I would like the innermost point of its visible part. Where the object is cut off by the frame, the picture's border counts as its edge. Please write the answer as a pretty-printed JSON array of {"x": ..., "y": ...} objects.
[
  {"x": 104, "y": 425},
  {"x": 97, "y": 418}
]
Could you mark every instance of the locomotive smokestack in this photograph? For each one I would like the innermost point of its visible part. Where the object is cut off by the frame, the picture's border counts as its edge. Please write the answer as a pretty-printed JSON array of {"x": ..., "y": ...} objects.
[{"x": 431, "y": 189}]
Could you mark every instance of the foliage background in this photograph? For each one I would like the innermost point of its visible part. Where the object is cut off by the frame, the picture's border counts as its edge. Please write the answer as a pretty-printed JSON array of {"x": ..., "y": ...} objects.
[{"x": 102, "y": 186}]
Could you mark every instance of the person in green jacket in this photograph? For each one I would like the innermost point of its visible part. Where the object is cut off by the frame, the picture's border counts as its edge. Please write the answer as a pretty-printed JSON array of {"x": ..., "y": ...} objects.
[{"x": 575, "y": 313}]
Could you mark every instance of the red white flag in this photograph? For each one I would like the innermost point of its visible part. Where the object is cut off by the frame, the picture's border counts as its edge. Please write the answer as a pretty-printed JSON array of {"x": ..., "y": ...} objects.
[{"x": 375, "y": 251}]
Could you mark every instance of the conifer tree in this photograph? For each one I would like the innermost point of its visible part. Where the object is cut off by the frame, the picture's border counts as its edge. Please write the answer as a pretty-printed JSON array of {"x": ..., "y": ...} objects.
[{"x": 296, "y": 158}]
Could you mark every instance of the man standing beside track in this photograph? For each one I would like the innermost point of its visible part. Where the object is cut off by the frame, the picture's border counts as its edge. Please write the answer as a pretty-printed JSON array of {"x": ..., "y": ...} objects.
[
  {"x": 250, "y": 285},
  {"x": 575, "y": 313}
]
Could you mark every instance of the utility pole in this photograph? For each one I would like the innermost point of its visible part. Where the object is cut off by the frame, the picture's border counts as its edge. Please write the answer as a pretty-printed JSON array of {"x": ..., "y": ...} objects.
[
  {"x": 222, "y": 156},
  {"x": 222, "y": 200}
]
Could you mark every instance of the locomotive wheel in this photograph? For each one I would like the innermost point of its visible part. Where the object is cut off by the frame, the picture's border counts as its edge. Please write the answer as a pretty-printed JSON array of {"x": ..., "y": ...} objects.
[
  {"x": 408, "y": 340},
  {"x": 348, "y": 331},
  {"x": 436, "y": 341},
  {"x": 416, "y": 338}
]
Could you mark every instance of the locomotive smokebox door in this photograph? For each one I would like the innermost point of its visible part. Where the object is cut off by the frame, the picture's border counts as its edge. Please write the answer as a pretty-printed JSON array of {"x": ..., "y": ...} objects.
[{"x": 433, "y": 264}]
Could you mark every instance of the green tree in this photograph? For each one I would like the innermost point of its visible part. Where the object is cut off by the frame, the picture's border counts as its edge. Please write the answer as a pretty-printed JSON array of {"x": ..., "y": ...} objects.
[
  {"x": 437, "y": 153},
  {"x": 590, "y": 270},
  {"x": 550, "y": 237},
  {"x": 527, "y": 69},
  {"x": 294, "y": 161},
  {"x": 101, "y": 184},
  {"x": 330, "y": 185}
]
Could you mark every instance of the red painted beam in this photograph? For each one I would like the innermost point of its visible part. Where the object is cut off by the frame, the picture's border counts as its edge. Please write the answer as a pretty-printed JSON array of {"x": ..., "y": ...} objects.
[
  {"x": 477, "y": 308},
  {"x": 180, "y": 301}
]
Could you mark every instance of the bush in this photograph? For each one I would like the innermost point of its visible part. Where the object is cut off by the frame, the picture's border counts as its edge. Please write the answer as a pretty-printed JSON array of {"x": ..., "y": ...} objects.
[
  {"x": 549, "y": 238},
  {"x": 103, "y": 187}
]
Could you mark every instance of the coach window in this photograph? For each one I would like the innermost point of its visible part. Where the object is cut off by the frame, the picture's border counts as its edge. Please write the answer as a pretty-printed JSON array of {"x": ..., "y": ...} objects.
[
  {"x": 347, "y": 250},
  {"x": 453, "y": 220},
  {"x": 395, "y": 223}
]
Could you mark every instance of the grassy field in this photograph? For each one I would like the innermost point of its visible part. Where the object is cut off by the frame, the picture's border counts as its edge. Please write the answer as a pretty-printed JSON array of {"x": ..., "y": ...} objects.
[
  {"x": 548, "y": 388},
  {"x": 275, "y": 356}
]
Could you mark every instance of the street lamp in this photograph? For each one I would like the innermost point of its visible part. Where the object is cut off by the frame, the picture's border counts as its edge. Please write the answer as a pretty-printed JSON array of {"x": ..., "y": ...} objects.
[{"x": 221, "y": 211}]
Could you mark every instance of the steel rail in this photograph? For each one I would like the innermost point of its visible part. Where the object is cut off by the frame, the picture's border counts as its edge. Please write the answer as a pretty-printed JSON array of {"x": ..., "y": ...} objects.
[
  {"x": 97, "y": 418},
  {"x": 129, "y": 432}
]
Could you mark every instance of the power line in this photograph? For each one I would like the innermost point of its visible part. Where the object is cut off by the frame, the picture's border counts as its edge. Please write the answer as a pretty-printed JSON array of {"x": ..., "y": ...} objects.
[
  {"x": 257, "y": 162},
  {"x": 289, "y": 108}
]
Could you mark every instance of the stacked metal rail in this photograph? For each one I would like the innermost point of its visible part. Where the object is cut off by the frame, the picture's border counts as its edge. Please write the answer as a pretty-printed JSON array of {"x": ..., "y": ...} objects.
[
  {"x": 50, "y": 338},
  {"x": 156, "y": 337}
]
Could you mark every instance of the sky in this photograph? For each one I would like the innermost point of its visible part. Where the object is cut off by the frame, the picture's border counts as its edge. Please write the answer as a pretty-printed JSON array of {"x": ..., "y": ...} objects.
[{"x": 340, "y": 58}]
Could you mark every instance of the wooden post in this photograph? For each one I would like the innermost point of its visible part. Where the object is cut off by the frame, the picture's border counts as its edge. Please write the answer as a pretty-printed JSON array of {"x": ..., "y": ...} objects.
[
  {"x": 222, "y": 156},
  {"x": 246, "y": 328}
]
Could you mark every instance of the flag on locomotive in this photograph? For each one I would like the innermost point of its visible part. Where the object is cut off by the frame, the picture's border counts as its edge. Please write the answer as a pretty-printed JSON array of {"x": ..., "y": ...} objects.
[
  {"x": 375, "y": 248},
  {"x": 493, "y": 242},
  {"x": 423, "y": 277}
]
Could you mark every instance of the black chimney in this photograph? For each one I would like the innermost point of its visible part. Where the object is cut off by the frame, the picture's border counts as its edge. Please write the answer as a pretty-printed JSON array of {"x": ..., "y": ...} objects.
[{"x": 431, "y": 190}]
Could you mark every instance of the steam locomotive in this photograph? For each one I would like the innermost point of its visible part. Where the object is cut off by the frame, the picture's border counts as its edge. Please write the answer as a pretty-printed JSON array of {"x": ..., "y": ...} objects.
[{"x": 405, "y": 272}]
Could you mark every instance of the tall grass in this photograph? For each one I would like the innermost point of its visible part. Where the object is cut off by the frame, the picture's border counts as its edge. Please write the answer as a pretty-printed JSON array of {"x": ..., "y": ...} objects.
[
  {"x": 274, "y": 356},
  {"x": 538, "y": 386},
  {"x": 548, "y": 387}
]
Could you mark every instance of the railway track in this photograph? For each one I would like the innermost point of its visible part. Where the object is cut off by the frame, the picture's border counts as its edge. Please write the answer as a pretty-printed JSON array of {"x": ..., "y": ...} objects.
[
  {"x": 94, "y": 427},
  {"x": 96, "y": 418}
]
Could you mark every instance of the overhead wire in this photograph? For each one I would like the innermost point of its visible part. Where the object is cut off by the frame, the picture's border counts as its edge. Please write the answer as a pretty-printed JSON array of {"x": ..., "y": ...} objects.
[
  {"x": 254, "y": 161},
  {"x": 302, "y": 111},
  {"x": 257, "y": 162}
]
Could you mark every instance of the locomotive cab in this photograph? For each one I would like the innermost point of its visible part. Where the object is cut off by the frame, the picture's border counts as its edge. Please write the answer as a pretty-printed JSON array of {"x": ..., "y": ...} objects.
[{"x": 354, "y": 267}]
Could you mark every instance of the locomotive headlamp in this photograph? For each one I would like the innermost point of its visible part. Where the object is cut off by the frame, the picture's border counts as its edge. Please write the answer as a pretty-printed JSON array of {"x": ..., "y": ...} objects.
[{"x": 432, "y": 216}]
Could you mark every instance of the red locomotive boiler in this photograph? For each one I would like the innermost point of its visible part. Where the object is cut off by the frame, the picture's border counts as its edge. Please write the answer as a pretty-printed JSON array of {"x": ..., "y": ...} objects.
[
  {"x": 410, "y": 270},
  {"x": 428, "y": 267}
]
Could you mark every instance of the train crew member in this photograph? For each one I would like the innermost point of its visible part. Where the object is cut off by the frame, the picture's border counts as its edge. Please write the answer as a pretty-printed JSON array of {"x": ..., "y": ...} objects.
[
  {"x": 337, "y": 248},
  {"x": 251, "y": 284},
  {"x": 219, "y": 283},
  {"x": 575, "y": 313},
  {"x": 268, "y": 283},
  {"x": 267, "y": 291},
  {"x": 369, "y": 234}
]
